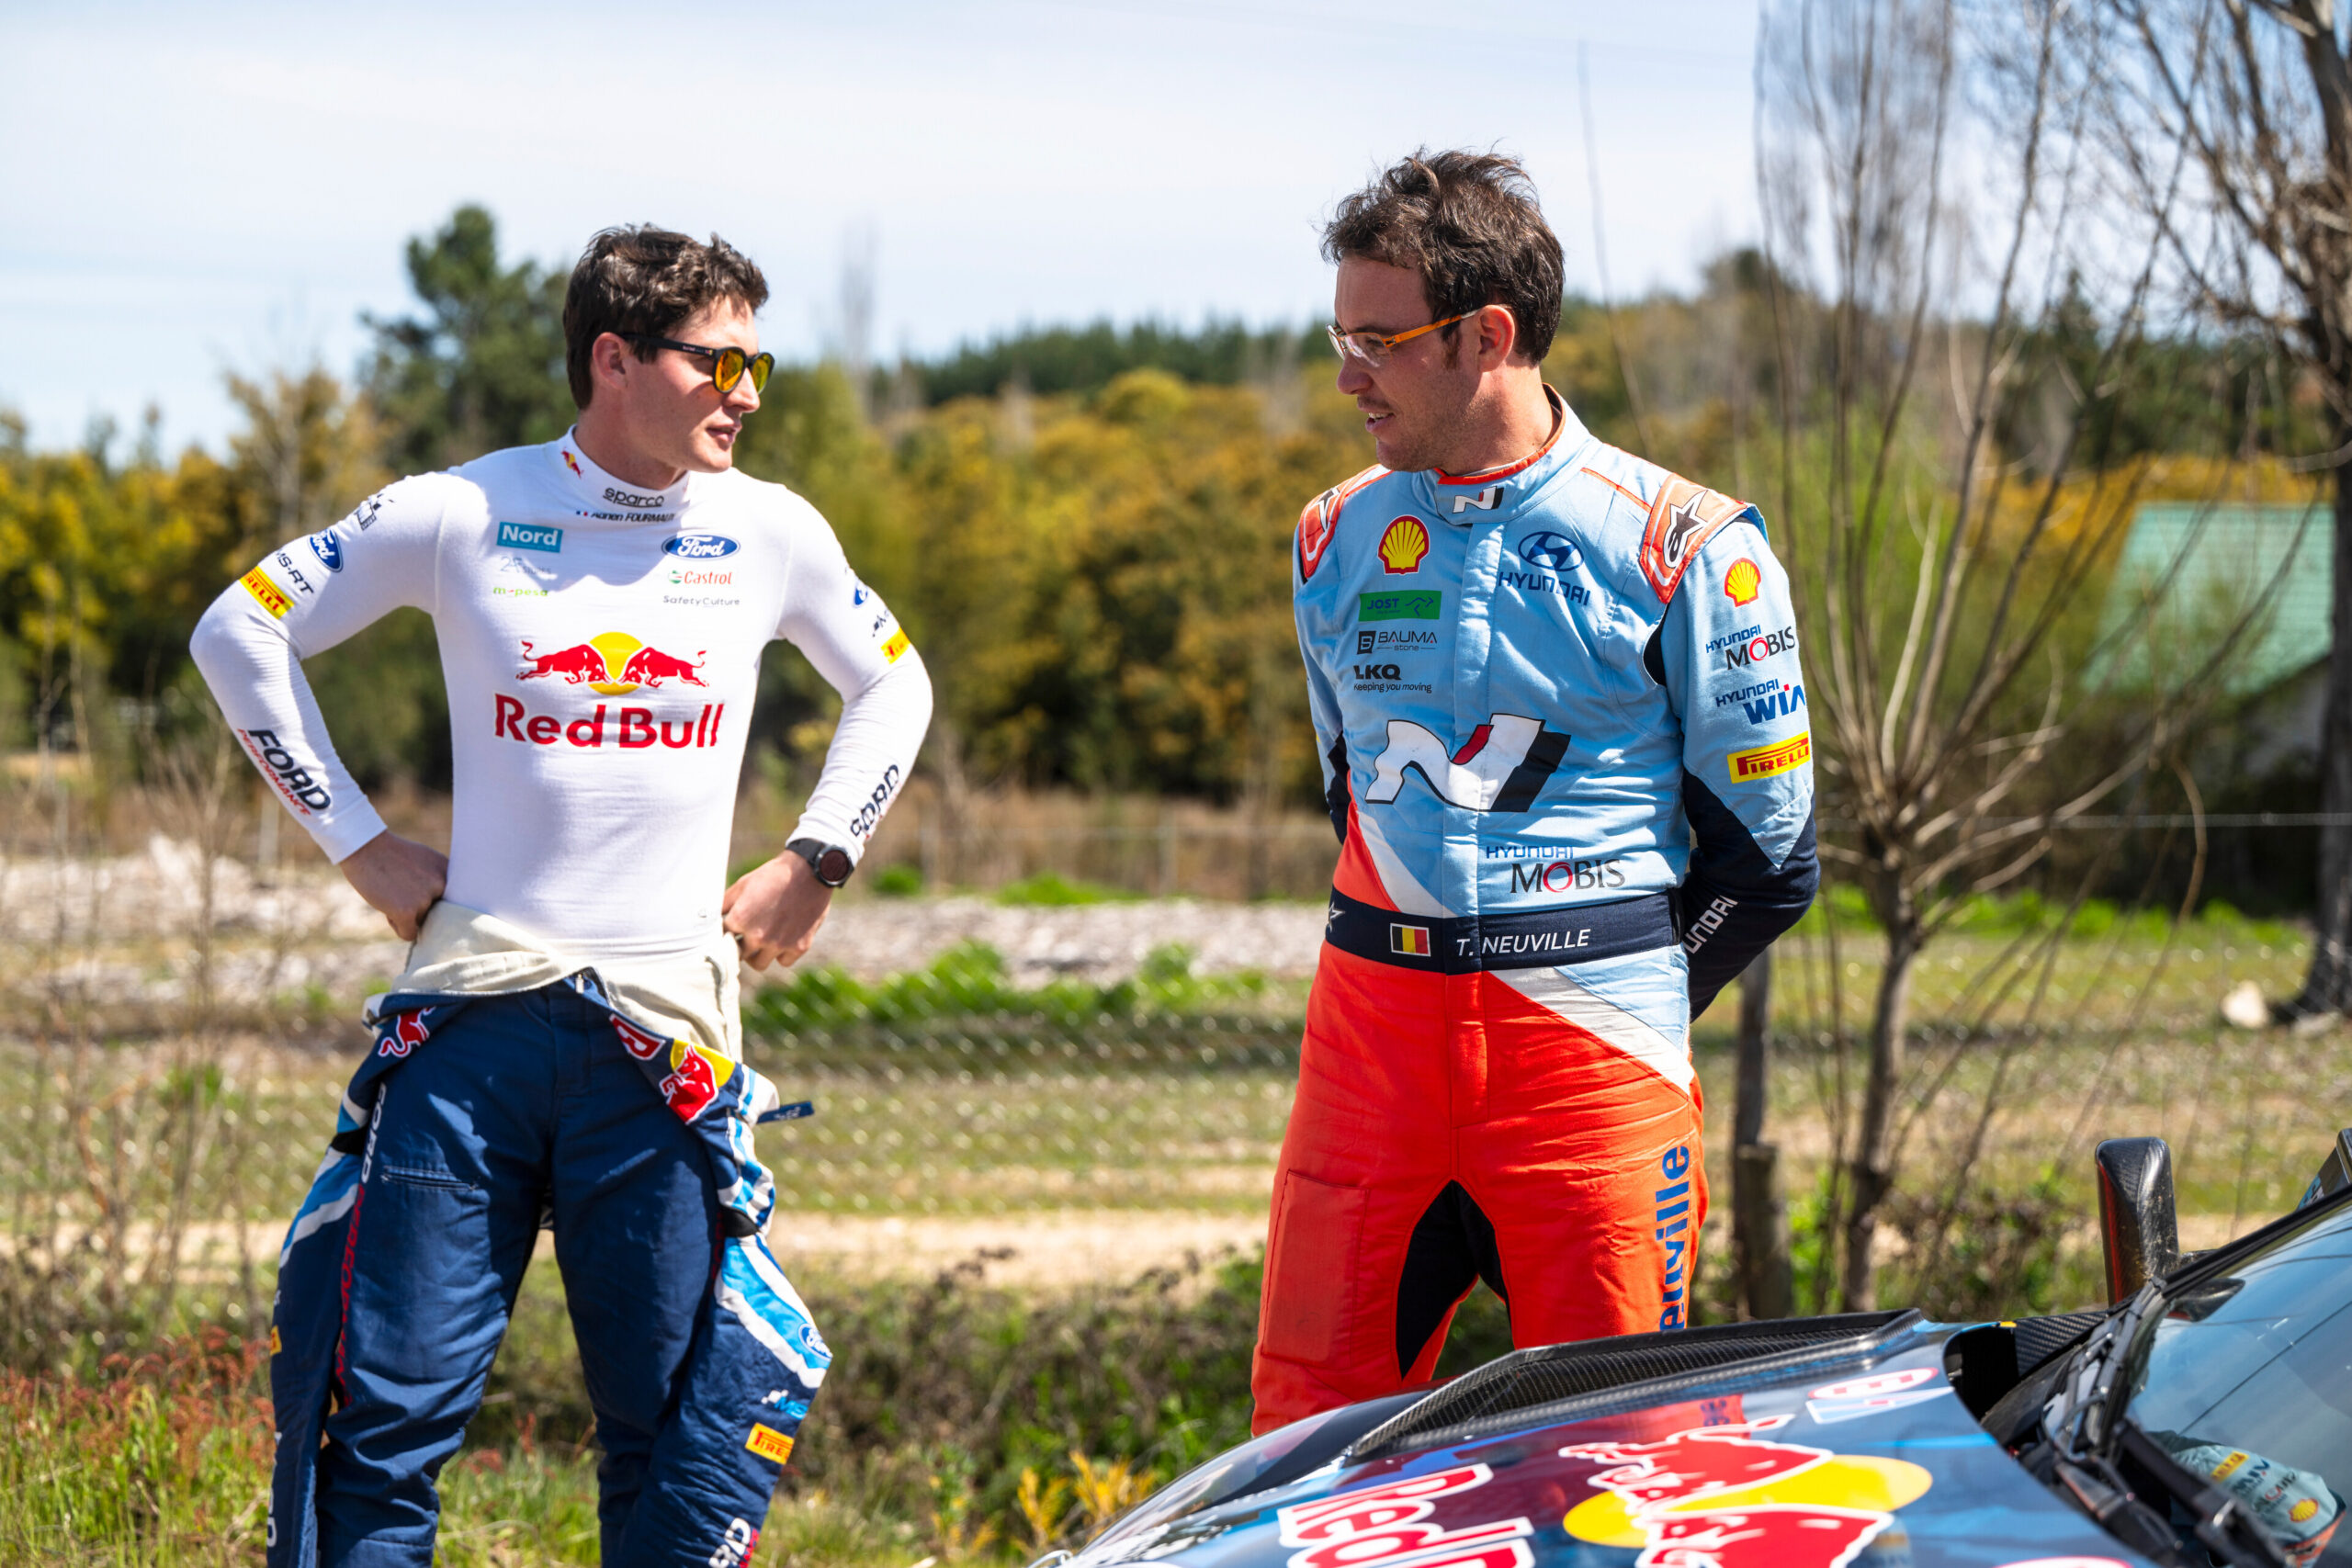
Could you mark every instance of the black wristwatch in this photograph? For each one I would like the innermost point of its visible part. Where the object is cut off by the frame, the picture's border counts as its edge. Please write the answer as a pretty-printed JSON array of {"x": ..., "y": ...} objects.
[{"x": 829, "y": 861}]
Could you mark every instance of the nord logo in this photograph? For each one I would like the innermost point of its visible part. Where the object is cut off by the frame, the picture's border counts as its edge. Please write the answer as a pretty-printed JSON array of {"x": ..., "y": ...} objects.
[
  {"x": 700, "y": 547},
  {"x": 526, "y": 537}
]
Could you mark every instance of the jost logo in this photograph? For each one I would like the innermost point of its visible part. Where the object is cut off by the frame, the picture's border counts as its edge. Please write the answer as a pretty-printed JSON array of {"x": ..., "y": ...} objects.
[
  {"x": 528, "y": 537},
  {"x": 699, "y": 546}
]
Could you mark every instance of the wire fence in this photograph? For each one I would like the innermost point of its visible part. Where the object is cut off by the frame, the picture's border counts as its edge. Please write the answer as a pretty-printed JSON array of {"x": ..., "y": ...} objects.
[{"x": 180, "y": 1019}]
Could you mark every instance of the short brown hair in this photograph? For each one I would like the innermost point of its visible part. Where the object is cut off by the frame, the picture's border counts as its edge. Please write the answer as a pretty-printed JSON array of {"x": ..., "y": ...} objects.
[
  {"x": 638, "y": 279},
  {"x": 1468, "y": 222}
]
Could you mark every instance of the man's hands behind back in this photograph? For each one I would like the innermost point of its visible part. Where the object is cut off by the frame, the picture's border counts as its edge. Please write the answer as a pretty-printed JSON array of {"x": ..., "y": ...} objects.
[{"x": 399, "y": 878}]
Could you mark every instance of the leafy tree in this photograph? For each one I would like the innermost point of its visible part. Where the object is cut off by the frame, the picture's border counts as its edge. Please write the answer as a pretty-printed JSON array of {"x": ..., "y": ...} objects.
[
  {"x": 482, "y": 366},
  {"x": 1046, "y": 360}
]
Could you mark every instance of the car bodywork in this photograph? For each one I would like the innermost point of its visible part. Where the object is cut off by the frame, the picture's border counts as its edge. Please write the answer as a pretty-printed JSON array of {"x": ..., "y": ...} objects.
[{"x": 1860, "y": 1441}]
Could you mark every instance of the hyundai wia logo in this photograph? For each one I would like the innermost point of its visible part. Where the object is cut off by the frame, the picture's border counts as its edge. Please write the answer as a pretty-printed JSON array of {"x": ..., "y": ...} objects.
[
  {"x": 698, "y": 546},
  {"x": 1551, "y": 551}
]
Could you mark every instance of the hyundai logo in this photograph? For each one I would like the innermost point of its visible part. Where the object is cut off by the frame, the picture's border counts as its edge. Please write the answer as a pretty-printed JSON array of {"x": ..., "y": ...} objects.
[
  {"x": 1551, "y": 551},
  {"x": 699, "y": 546}
]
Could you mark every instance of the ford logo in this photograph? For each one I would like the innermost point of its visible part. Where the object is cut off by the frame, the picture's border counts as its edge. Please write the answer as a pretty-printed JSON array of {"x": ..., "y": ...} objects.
[
  {"x": 1551, "y": 551},
  {"x": 699, "y": 546}
]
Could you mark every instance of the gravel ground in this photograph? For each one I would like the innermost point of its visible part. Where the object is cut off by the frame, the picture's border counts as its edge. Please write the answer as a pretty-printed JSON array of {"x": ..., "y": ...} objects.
[
  {"x": 307, "y": 929},
  {"x": 874, "y": 937}
]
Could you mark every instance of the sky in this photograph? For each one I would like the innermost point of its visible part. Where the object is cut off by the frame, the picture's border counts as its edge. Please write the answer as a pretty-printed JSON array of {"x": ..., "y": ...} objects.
[{"x": 190, "y": 190}]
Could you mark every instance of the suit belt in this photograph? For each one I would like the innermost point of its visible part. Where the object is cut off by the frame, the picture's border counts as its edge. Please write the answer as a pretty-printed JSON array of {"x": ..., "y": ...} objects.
[{"x": 1516, "y": 938}]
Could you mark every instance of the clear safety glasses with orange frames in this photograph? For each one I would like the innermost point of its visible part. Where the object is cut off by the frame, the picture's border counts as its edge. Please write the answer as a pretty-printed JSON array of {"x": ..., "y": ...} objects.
[
  {"x": 1373, "y": 348},
  {"x": 727, "y": 365}
]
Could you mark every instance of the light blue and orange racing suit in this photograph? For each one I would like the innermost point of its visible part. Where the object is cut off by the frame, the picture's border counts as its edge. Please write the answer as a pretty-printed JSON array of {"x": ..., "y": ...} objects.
[{"x": 1566, "y": 744}]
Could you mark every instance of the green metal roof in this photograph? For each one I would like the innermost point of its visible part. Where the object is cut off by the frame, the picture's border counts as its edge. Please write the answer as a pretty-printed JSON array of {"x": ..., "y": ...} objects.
[{"x": 2228, "y": 556}]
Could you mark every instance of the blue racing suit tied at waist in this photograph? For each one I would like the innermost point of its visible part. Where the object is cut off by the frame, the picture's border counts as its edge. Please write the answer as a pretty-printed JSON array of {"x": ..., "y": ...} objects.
[{"x": 1516, "y": 938}]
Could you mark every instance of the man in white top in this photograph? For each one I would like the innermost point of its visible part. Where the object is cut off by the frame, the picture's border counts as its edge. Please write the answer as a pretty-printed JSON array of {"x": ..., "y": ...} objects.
[{"x": 601, "y": 604}]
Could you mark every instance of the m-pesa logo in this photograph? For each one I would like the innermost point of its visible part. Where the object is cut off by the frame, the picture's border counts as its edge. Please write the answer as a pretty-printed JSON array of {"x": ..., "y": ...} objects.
[{"x": 612, "y": 664}]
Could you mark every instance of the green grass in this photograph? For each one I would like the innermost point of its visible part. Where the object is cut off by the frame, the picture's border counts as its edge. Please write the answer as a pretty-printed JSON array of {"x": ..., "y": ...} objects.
[{"x": 1047, "y": 889}]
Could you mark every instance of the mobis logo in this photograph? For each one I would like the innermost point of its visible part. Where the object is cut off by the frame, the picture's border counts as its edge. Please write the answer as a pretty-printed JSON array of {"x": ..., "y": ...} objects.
[{"x": 1755, "y": 650}]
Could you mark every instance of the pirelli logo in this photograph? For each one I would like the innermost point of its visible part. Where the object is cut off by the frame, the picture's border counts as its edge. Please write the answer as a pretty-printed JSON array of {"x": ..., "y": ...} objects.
[
  {"x": 1763, "y": 762},
  {"x": 896, "y": 649},
  {"x": 266, "y": 593},
  {"x": 1411, "y": 940},
  {"x": 769, "y": 1443}
]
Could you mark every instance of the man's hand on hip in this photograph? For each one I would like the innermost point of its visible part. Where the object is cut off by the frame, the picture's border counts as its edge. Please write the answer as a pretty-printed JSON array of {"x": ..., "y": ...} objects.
[
  {"x": 399, "y": 878},
  {"x": 773, "y": 912}
]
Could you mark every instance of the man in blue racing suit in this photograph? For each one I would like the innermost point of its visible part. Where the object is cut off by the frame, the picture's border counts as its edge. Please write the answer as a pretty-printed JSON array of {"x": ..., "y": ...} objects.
[{"x": 1556, "y": 692}]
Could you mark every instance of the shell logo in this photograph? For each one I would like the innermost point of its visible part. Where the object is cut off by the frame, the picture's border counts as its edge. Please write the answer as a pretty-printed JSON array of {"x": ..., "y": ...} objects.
[
  {"x": 1741, "y": 582},
  {"x": 1402, "y": 547}
]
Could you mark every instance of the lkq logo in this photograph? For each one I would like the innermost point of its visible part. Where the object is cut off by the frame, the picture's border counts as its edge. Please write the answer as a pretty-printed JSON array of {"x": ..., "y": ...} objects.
[
  {"x": 1379, "y": 672},
  {"x": 698, "y": 546},
  {"x": 1500, "y": 768},
  {"x": 1553, "y": 555}
]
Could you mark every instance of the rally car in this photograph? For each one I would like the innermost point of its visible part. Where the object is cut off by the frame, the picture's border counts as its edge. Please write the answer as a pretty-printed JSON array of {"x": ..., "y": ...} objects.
[{"x": 2205, "y": 1417}]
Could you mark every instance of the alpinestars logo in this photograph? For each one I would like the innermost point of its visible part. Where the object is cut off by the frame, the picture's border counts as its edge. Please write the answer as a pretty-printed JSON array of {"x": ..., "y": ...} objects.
[{"x": 1500, "y": 768}]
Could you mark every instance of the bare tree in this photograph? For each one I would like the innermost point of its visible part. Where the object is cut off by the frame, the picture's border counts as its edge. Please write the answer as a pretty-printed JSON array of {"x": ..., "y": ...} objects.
[
  {"x": 2256, "y": 96},
  {"x": 1922, "y": 179}
]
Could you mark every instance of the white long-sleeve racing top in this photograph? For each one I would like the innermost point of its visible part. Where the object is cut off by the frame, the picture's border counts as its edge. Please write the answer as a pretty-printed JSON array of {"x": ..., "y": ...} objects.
[{"x": 601, "y": 648}]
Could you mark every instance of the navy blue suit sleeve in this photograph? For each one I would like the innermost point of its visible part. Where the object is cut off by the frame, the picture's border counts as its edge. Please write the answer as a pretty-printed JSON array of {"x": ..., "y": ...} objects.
[
  {"x": 1734, "y": 901},
  {"x": 1727, "y": 651}
]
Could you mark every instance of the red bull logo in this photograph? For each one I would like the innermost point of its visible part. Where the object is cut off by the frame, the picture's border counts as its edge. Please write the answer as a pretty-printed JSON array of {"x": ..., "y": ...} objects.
[
  {"x": 640, "y": 1044},
  {"x": 695, "y": 1078},
  {"x": 612, "y": 664},
  {"x": 406, "y": 1034},
  {"x": 1723, "y": 1497},
  {"x": 1393, "y": 1523}
]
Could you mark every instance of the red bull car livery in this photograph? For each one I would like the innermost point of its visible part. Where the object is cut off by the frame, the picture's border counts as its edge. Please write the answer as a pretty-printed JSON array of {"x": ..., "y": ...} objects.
[{"x": 2204, "y": 1417}]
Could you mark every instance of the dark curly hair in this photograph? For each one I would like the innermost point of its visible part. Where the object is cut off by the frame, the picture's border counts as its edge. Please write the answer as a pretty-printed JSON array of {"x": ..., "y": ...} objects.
[
  {"x": 639, "y": 278},
  {"x": 1469, "y": 225}
]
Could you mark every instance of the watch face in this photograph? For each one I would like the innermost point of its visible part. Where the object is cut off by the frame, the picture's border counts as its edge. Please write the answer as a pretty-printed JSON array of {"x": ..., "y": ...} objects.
[{"x": 833, "y": 866}]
